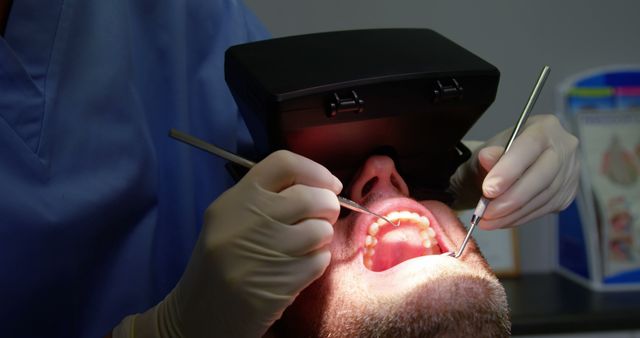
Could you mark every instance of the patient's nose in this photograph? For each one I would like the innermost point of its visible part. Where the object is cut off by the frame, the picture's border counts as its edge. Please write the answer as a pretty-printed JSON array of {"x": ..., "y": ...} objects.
[{"x": 378, "y": 175}]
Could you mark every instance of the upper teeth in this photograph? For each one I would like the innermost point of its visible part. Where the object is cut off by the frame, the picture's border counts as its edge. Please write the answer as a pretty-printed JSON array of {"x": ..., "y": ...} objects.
[
  {"x": 395, "y": 216},
  {"x": 427, "y": 234}
]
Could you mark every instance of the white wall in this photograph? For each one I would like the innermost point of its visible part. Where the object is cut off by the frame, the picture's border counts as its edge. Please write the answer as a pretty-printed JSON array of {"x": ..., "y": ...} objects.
[{"x": 518, "y": 37}]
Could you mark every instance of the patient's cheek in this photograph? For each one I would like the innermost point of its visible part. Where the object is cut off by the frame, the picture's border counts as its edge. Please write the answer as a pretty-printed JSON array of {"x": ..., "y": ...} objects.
[{"x": 352, "y": 299}]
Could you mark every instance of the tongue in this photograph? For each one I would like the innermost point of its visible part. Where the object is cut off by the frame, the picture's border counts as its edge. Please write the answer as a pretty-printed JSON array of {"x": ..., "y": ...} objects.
[{"x": 396, "y": 245}]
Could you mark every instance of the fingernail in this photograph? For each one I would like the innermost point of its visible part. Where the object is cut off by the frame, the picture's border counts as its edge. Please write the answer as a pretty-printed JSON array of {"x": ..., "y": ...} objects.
[
  {"x": 490, "y": 187},
  {"x": 337, "y": 185}
]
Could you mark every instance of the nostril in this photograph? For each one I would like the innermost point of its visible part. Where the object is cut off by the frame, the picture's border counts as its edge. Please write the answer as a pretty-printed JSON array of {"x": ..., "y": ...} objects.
[
  {"x": 377, "y": 176},
  {"x": 395, "y": 182},
  {"x": 366, "y": 188}
]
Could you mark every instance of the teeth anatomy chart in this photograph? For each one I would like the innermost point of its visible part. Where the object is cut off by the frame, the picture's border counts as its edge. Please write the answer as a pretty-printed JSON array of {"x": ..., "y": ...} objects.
[{"x": 602, "y": 108}]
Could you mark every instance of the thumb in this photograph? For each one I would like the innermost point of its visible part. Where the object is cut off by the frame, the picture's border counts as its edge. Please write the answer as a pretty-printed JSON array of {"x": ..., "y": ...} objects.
[{"x": 488, "y": 157}]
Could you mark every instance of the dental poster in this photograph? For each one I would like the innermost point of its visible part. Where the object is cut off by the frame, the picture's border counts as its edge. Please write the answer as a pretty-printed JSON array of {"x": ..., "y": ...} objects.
[
  {"x": 598, "y": 238},
  {"x": 610, "y": 143}
]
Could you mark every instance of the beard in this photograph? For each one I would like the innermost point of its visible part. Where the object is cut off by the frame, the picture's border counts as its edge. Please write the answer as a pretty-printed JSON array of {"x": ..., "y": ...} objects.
[{"x": 426, "y": 296}]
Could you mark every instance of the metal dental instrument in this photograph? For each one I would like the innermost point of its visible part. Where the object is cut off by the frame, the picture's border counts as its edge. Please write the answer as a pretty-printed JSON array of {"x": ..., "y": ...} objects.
[
  {"x": 484, "y": 202},
  {"x": 210, "y": 148}
]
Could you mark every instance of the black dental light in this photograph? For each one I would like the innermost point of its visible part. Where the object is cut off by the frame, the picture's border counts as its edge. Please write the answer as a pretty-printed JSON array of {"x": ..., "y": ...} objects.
[{"x": 339, "y": 97}]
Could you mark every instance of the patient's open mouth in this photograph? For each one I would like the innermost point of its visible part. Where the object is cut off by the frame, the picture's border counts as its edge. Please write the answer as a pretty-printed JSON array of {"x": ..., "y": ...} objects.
[{"x": 386, "y": 246}]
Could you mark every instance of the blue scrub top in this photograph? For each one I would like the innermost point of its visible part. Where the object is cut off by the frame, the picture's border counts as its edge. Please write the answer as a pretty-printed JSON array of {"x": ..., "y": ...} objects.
[{"x": 99, "y": 208}]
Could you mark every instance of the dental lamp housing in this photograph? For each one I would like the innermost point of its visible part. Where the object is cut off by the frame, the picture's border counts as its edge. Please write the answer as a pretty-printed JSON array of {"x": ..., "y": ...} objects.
[{"x": 339, "y": 97}]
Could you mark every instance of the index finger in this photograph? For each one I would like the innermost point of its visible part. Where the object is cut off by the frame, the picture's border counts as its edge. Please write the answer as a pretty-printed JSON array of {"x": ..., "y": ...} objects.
[{"x": 283, "y": 169}]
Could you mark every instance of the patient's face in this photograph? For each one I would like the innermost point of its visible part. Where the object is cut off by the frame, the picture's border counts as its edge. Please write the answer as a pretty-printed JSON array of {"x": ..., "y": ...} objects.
[{"x": 386, "y": 281}]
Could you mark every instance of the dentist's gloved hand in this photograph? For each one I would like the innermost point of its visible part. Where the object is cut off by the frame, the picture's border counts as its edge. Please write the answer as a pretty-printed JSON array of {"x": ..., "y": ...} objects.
[
  {"x": 538, "y": 175},
  {"x": 262, "y": 242}
]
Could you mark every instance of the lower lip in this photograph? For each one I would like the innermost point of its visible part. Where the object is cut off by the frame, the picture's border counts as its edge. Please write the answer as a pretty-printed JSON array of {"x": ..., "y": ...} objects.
[{"x": 410, "y": 273}]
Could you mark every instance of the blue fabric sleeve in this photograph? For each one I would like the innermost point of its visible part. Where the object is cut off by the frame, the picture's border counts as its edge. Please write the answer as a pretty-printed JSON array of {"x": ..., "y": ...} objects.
[{"x": 100, "y": 208}]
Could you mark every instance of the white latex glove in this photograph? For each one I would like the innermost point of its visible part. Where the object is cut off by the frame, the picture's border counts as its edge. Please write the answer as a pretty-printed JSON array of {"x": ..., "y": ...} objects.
[
  {"x": 262, "y": 242},
  {"x": 538, "y": 175}
]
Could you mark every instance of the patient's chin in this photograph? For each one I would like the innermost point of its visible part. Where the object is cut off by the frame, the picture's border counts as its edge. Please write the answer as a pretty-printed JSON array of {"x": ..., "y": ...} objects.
[
  {"x": 432, "y": 295},
  {"x": 456, "y": 303}
]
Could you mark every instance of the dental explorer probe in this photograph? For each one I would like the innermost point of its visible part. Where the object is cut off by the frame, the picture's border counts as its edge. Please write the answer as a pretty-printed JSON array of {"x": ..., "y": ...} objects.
[
  {"x": 229, "y": 156},
  {"x": 484, "y": 202}
]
